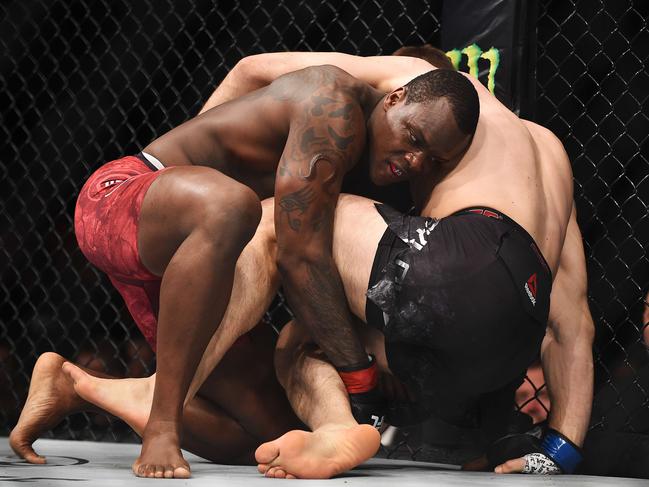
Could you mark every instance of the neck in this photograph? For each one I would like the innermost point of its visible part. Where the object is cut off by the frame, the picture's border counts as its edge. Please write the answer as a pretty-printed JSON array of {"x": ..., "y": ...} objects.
[
  {"x": 420, "y": 191},
  {"x": 421, "y": 188},
  {"x": 370, "y": 99}
]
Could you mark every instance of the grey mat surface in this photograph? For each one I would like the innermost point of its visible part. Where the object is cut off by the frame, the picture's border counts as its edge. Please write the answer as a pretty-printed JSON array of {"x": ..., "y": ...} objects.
[{"x": 108, "y": 465}]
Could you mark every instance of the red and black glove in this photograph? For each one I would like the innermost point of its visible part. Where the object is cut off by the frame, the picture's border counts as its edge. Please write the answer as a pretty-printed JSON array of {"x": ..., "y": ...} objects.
[{"x": 368, "y": 404}]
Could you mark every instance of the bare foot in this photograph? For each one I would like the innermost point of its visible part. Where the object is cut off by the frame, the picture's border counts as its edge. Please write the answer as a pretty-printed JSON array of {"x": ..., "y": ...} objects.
[
  {"x": 161, "y": 456},
  {"x": 319, "y": 455},
  {"x": 51, "y": 397},
  {"x": 128, "y": 399}
]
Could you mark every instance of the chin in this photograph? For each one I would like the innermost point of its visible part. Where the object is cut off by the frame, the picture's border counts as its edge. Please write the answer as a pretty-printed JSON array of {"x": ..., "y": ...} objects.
[
  {"x": 382, "y": 182},
  {"x": 377, "y": 179}
]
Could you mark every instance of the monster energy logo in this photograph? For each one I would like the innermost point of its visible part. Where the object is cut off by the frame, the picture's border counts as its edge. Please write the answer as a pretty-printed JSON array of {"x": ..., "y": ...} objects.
[{"x": 473, "y": 54}]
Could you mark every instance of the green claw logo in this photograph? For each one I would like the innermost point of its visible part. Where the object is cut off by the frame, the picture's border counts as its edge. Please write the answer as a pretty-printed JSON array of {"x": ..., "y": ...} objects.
[{"x": 473, "y": 53}]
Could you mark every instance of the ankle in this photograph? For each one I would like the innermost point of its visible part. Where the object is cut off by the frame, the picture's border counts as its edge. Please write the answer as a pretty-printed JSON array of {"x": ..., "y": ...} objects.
[{"x": 158, "y": 427}]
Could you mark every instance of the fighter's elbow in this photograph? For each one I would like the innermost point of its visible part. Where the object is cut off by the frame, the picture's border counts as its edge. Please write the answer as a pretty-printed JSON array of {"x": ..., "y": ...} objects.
[
  {"x": 251, "y": 69},
  {"x": 579, "y": 331},
  {"x": 587, "y": 330}
]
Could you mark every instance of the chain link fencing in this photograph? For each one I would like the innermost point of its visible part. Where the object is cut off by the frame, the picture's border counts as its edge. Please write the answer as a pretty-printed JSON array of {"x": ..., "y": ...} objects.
[{"x": 86, "y": 82}]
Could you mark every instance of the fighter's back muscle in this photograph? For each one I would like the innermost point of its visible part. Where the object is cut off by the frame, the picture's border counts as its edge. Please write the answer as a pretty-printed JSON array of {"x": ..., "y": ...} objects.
[{"x": 516, "y": 167}]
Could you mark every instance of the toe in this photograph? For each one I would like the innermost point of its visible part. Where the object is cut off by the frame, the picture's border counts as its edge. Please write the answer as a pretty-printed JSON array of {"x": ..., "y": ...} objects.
[
  {"x": 168, "y": 472},
  {"x": 33, "y": 457},
  {"x": 280, "y": 474},
  {"x": 24, "y": 450},
  {"x": 267, "y": 452},
  {"x": 159, "y": 472},
  {"x": 290, "y": 476},
  {"x": 182, "y": 472},
  {"x": 263, "y": 467}
]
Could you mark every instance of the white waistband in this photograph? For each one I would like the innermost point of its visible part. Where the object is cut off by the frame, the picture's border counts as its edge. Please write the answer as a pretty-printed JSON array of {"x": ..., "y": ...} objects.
[{"x": 158, "y": 165}]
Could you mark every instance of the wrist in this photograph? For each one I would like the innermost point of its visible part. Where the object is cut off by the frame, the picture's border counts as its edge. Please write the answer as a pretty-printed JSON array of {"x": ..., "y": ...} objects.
[
  {"x": 561, "y": 450},
  {"x": 362, "y": 378}
]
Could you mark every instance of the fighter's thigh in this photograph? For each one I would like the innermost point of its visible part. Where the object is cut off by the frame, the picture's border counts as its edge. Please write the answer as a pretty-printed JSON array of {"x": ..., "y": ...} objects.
[
  {"x": 358, "y": 228},
  {"x": 186, "y": 198}
]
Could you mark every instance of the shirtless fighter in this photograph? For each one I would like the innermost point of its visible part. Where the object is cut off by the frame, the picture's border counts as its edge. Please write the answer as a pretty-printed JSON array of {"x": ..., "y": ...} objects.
[{"x": 168, "y": 225}]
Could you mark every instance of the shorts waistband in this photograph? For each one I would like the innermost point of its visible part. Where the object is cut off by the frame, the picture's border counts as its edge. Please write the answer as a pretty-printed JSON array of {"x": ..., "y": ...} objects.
[
  {"x": 499, "y": 215},
  {"x": 152, "y": 163}
]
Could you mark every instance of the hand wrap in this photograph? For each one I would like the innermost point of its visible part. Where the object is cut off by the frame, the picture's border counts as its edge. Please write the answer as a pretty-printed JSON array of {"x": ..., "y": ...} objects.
[
  {"x": 549, "y": 454},
  {"x": 561, "y": 450},
  {"x": 539, "y": 464},
  {"x": 367, "y": 402}
]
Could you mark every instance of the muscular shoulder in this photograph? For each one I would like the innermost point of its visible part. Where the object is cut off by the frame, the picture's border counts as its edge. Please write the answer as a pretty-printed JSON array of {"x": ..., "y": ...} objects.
[
  {"x": 326, "y": 113},
  {"x": 550, "y": 149},
  {"x": 546, "y": 140}
]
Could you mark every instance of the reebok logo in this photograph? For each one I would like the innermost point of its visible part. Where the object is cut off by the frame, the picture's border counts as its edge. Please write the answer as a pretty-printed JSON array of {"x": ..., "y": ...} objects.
[{"x": 530, "y": 288}]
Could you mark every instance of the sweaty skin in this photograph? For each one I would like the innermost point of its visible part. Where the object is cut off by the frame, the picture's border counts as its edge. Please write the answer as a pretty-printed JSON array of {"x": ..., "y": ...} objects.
[{"x": 512, "y": 165}]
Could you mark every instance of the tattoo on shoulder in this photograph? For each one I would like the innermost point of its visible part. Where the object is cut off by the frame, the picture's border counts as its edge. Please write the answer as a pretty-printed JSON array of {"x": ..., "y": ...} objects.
[
  {"x": 340, "y": 141},
  {"x": 318, "y": 103},
  {"x": 343, "y": 112},
  {"x": 309, "y": 139}
]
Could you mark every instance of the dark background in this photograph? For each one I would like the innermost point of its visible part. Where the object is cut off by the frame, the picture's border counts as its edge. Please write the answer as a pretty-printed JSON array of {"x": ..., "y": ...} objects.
[{"x": 83, "y": 82}]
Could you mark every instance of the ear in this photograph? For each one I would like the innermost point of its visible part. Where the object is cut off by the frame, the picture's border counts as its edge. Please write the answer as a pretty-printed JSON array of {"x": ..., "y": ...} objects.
[{"x": 394, "y": 97}]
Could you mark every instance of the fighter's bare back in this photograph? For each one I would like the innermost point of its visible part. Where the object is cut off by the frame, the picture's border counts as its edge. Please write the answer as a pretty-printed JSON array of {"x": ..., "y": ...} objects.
[{"x": 513, "y": 166}]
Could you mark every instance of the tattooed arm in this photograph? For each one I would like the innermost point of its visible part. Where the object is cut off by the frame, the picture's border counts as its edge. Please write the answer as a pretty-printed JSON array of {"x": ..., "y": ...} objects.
[
  {"x": 326, "y": 137},
  {"x": 385, "y": 73}
]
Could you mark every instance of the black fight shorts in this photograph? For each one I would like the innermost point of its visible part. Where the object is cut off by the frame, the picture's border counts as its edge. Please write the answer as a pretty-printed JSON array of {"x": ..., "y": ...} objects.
[{"x": 463, "y": 303}]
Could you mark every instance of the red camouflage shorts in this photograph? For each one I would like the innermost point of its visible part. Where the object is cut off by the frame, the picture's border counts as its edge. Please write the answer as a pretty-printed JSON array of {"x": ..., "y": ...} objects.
[{"x": 106, "y": 223}]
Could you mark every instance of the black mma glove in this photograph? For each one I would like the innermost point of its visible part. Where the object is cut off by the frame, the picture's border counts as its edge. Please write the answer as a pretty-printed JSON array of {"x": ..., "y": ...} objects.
[
  {"x": 549, "y": 453},
  {"x": 368, "y": 404}
]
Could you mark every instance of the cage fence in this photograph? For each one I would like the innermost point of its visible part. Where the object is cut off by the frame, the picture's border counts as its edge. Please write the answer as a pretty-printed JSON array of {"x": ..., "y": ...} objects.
[{"x": 85, "y": 82}]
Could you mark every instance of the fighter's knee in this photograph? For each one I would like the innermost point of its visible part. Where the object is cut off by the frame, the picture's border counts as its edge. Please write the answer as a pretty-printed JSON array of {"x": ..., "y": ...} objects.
[
  {"x": 244, "y": 209},
  {"x": 266, "y": 227},
  {"x": 232, "y": 211},
  {"x": 292, "y": 344},
  {"x": 291, "y": 338}
]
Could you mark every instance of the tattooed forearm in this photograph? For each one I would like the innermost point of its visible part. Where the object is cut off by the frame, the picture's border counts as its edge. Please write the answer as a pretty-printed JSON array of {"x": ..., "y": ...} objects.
[
  {"x": 324, "y": 216},
  {"x": 296, "y": 204},
  {"x": 327, "y": 134},
  {"x": 319, "y": 303}
]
